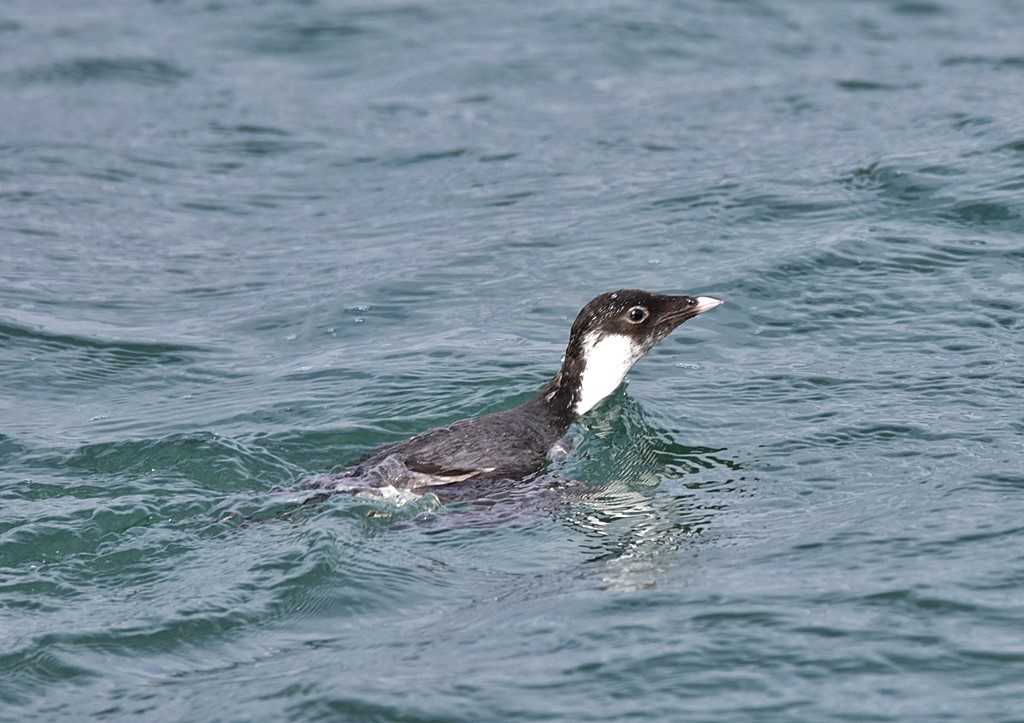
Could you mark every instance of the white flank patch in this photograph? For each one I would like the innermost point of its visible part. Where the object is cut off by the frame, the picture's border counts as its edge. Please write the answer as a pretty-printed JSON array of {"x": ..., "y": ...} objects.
[{"x": 606, "y": 360}]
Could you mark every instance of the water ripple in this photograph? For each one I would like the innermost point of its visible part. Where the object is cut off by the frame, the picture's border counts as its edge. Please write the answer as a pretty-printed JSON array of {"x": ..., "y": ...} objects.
[
  {"x": 79, "y": 71},
  {"x": 244, "y": 244}
]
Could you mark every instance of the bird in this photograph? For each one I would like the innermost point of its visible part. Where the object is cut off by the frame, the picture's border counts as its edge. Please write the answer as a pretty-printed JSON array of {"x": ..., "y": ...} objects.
[{"x": 611, "y": 333}]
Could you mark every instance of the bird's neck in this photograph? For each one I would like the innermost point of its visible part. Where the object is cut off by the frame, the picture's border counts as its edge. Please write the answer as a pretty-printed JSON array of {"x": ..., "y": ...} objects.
[{"x": 593, "y": 368}]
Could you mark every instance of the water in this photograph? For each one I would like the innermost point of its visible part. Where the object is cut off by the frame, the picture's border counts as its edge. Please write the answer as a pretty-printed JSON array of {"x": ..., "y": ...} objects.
[{"x": 244, "y": 243}]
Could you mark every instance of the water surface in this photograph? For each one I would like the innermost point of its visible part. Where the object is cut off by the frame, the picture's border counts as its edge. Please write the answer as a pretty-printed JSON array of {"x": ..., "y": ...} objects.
[{"x": 244, "y": 243}]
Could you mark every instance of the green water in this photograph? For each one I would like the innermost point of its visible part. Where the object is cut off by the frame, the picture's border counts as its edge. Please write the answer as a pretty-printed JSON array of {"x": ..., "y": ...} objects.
[{"x": 242, "y": 244}]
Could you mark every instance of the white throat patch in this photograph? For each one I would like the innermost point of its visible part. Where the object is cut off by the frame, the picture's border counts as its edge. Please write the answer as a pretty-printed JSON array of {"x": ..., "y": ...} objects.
[{"x": 606, "y": 359}]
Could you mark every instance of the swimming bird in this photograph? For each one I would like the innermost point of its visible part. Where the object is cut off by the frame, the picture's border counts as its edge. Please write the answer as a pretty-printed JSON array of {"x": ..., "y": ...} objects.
[{"x": 610, "y": 334}]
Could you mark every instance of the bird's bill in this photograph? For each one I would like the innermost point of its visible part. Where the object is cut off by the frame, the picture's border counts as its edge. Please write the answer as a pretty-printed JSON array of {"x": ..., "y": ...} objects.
[{"x": 706, "y": 303}]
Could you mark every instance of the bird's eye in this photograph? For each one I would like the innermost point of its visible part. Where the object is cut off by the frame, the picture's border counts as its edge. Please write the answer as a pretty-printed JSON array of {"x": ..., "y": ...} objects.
[{"x": 637, "y": 315}]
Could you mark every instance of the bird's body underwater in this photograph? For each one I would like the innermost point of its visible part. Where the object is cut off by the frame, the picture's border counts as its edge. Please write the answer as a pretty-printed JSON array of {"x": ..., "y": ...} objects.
[{"x": 610, "y": 334}]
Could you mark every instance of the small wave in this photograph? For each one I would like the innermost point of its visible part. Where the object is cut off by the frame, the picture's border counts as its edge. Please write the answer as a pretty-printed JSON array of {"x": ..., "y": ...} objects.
[
  {"x": 859, "y": 85},
  {"x": 213, "y": 461},
  {"x": 917, "y": 7},
  {"x": 73, "y": 360},
  {"x": 986, "y": 61},
  {"x": 12, "y": 331},
  {"x": 256, "y": 140},
  {"x": 871, "y": 435},
  {"x": 425, "y": 157},
  {"x": 78, "y": 71},
  {"x": 10, "y": 448},
  {"x": 296, "y": 38},
  {"x": 287, "y": 36}
]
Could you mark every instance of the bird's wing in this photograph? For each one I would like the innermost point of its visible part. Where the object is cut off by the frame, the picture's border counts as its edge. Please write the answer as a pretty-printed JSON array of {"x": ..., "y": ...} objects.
[{"x": 429, "y": 474}]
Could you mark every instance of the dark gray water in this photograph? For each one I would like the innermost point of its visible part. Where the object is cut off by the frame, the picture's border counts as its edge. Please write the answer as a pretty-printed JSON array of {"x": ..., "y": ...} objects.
[{"x": 242, "y": 243}]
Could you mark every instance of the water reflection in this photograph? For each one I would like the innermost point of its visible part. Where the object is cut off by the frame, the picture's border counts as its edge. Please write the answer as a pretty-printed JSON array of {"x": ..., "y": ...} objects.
[{"x": 658, "y": 494}]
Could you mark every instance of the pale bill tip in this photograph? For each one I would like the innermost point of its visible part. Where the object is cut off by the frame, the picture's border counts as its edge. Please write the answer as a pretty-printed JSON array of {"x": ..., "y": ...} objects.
[{"x": 707, "y": 303}]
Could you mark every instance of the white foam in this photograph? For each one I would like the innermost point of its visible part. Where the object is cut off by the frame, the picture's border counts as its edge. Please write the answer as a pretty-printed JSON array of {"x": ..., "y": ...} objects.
[{"x": 399, "y": 497}]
